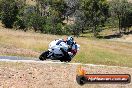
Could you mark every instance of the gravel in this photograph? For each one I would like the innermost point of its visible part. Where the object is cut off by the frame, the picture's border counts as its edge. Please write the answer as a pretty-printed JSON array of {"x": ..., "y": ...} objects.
[{"x": 49, "y": 74}]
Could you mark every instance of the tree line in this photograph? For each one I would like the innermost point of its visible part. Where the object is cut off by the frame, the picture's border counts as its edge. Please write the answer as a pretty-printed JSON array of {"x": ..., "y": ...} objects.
[{"x": 48, "y": 16}]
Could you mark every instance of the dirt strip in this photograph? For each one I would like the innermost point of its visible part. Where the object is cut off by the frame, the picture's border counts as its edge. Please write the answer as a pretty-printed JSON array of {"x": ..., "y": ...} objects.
[{"x": 53, "y": 75}]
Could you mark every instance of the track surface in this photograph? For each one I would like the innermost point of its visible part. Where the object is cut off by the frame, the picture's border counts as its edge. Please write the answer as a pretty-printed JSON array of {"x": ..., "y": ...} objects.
[
  {"x": 36, "y": 60},
  {"x": 29, "y": 60},
  {"x": 25, "y": 59}
]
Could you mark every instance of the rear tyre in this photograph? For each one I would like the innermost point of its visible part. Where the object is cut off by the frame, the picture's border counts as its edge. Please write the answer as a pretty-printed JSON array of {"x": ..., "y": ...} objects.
[
  {"x": 44, "y": 55},
  {"x": 65, "y": 59},
  {"x": 69, "y": 60}
]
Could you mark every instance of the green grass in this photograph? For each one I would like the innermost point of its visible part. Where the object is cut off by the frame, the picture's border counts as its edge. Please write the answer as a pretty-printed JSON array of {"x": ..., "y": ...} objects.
[
  {"x": 98, "y": 56},
  {"x": 106, "y": 53},
  {"x": 92, "y": 51}
]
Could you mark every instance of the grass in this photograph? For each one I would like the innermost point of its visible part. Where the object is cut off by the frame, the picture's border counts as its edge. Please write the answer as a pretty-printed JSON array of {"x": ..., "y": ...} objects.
[
  {"x": 105, "y": 52},
  {"x": 98, "y": 56},
  {"x": 92, "y": 51}
]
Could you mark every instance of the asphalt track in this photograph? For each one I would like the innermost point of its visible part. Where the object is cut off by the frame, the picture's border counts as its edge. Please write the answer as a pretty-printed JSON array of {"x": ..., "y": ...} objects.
[
  {"x": 29, "y": 60},
  {"x": 36, "y": 60}
]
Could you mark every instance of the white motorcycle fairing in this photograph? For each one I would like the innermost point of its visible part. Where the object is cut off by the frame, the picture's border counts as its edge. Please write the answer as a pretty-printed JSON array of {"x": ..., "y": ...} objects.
[{"x": 53, "y": 47}]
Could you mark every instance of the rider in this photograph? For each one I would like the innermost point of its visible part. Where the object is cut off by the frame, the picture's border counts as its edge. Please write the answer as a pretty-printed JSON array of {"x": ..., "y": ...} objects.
[
  {"x": 72, "y": 48},
  {"x": 72, "y": 45}
]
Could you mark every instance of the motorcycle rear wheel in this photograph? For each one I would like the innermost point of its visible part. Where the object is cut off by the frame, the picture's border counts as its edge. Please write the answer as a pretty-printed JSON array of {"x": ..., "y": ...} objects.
[{"x": 65, "y": 59}]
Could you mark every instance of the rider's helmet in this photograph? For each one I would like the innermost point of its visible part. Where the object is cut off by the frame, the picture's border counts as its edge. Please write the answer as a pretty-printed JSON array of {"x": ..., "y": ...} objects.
[{"x": 70, "y": 40}]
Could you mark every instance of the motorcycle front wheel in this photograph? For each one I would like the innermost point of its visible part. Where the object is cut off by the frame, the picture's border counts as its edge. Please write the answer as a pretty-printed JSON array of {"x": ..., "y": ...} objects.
[{"x": 44, "y": 55}]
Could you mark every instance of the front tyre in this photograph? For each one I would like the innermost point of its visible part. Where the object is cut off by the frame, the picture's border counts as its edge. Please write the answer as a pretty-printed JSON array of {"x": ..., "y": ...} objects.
[{"x": 44, "y": 55}]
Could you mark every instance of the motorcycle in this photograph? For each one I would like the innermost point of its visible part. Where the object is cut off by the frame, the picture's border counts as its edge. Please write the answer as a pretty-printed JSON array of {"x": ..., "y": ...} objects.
[{"x": 55, "y": 51}]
